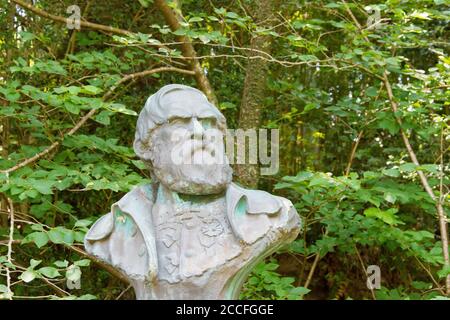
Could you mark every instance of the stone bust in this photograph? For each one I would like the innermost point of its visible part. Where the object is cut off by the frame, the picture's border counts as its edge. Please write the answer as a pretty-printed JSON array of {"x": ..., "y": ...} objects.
[{"x": 192, "y": 233}]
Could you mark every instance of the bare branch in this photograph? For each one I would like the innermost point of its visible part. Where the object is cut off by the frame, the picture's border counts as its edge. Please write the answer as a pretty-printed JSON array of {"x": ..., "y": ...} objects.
[
  {"x": 100, "y": 263},
  {"x": 10, "y": 243},
  {"x": 353, "y": 152},
  {"x": 86, "y": 24},
  {"x": 312, "y": 270},
  {"x": 173, "y": 20},
  {"x": 364, "y": 271}
]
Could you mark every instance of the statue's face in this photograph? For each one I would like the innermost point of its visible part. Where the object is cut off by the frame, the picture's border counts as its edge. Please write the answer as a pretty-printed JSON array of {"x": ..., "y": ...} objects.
[{"x": 188, "y": 154}]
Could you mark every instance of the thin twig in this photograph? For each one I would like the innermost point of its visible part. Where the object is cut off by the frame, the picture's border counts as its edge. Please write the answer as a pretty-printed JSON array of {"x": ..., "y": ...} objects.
[
  {"x": 364, "y": 271},
  {"x": 123, "y": 292},
  {"x": 10, "y": 243},
  {"x": 430, "y": 275},
  {"x": 352, "y": 154},
  {"x": 311, "y": 271}
]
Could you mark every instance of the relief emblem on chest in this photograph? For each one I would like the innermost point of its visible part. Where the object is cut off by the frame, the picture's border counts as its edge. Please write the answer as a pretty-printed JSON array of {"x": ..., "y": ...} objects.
[{"x": 189, "y": 243}]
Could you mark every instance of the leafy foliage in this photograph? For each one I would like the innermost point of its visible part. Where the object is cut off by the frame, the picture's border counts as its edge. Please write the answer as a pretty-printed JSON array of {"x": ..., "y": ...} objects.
[{"x": 343, "y": 160}]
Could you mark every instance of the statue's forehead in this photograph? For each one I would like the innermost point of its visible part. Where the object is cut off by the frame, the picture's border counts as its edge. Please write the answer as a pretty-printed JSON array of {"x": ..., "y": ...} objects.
[{"x": 186, "y": 104}]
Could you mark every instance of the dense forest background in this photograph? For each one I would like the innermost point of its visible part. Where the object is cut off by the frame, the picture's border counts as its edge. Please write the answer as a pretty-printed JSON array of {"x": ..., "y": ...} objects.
[{"x": 359, "y": 91}]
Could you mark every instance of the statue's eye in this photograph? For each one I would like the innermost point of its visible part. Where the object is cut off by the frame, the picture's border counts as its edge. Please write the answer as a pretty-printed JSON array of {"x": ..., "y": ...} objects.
[{"x": 208, "y": 123}]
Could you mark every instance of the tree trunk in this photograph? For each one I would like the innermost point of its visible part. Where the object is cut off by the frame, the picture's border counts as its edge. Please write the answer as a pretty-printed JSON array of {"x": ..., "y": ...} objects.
[
  {"x": 5, "y": 123},
  {"x": 254, "y": 90}
]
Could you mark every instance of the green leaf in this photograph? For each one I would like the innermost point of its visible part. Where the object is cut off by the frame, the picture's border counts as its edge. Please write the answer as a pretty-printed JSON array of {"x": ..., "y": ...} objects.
[
  {"x": 227, "y": 105},
  {"x": 145, "y": 3},
  {"x": 387, "y": 216},
  {"x": 61, "y": 236},
  {"x": 49, "y": 272},
  {"x": 372, "y": 92},
  {"x": 195, "y": 19},
  {"x": 179, "y": 32},
  {"x": 299, "y": 291},
  {"x": 83, "y": 223},
  {"x": 310, "y": 106},
  {"x": 56, "y": 236},
  {"x": 333, "y": 5},
  {"x": 37, "y": 227},
  {"x": 74, "y": 90},
  {"x": 104, "y": 117},
  {"x": 12, "y": 96},
  {"x": 420, "y": 285},
  {"x": 34, "y": 263},
  {"x": 139, "y": 164},
  {"x": 393, "y": 172},
  {"x": 117, "y": 107},
  {"x": 389, "y": 124},
  {"x": 407, "y": 167},
  {"x": 82, "y": 263},
  {"x": 71, "y": 107},
  {"x": 421, "y": 15},
  {"x": 433, "y": 168},
  {"x": 319, "y": 180},
  {"x": 444, "y": 272},
  {"x": 26, "y": 36},
  {"x": 389, "y": 197},
  {"x": 91, "y": 90},
  {"x": 79, "y": 236},
  {"x": 28, "y": 276},
  {"x": 39, "y": 238},
  {"x": 307, "y": 57},
  {"x": 61, "y": 264},
  {"x": 43, "y": 186}
]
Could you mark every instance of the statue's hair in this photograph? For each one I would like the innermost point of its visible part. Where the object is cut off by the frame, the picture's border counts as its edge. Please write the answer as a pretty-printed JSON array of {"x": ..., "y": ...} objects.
[{"x": 153, "y": 115}]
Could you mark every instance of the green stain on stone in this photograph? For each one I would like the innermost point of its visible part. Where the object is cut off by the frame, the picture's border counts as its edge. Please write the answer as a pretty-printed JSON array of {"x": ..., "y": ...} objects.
[
  {"x": 241, "y": 207},
  {"x": 124, "y": 223}
]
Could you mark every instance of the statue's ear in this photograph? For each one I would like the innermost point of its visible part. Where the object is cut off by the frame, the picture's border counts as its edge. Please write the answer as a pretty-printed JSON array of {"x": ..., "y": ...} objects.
[{"x": 142, "y": 150}]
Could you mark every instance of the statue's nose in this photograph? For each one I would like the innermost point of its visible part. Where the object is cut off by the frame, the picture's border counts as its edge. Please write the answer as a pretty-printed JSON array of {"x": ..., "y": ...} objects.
[{"x": 197, "y": 129}]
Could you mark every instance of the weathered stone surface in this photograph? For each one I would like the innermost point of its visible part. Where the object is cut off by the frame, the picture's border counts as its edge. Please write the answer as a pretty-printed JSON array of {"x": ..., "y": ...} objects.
[{"x": 192, "y": 233}]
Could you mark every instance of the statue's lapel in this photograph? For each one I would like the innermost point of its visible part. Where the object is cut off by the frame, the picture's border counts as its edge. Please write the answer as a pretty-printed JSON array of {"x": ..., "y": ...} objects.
[
  {"x": 138, "y": 204},
  {"x": 248, "y": 210}
]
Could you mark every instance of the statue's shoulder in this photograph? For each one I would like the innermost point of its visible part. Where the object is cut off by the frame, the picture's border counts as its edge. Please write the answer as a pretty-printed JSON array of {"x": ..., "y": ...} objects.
[
  {"x": 124, "y": 237},
  {"x": 253, "y": 213},
  {"x": 132, "y": 203}
]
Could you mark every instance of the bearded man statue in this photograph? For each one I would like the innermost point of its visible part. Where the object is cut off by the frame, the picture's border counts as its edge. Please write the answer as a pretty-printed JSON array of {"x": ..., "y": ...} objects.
[{"x": 191, "y": 233}]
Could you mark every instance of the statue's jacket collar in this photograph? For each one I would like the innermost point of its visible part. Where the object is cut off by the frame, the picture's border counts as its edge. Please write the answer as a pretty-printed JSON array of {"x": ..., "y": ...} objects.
[{"x": 247, "y": 213}]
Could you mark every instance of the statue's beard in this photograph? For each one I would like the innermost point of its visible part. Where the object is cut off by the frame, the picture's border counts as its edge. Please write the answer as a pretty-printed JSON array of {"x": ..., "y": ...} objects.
[{"x": 197, "y": 169}]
